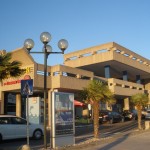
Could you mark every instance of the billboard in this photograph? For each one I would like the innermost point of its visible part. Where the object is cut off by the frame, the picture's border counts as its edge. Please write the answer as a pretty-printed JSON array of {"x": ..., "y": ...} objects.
[{"x": 63, "y": 118}]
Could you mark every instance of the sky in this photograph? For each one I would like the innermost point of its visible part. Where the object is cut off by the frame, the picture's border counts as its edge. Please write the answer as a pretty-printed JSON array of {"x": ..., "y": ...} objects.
[{"x": 83, "y": 23}]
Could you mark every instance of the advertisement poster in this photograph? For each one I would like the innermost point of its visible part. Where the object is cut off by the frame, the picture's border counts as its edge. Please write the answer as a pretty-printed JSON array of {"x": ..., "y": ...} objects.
[
  {"x": 35, "y": 110},
  {"x": 64, "y": 113}
]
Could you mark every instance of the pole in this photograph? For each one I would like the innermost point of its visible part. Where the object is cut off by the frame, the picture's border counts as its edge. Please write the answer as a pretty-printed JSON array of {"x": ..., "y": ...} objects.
[
  {"x": 45, "y": 95},
  {"x": 27, "y": 120}
]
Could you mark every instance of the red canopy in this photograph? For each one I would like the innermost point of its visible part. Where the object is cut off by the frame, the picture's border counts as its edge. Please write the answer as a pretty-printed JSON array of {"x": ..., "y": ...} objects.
[{"x": 77, "y": 103}]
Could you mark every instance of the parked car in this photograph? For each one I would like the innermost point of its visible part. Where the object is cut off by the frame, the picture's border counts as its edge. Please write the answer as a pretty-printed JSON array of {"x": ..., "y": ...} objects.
[
  {"x": 134, "y": 111},
  {"x": 103, "y": 117},
  {"x": 13, "y": 127},
  {"x": 147, "y": 116},
  {"x": 111, "y": 117},
  {"x": 128, "y": 115}
]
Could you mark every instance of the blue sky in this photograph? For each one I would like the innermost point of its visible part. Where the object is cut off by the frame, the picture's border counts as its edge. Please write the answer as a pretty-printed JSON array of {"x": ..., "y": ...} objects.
[{"x": 84, "y": 23}]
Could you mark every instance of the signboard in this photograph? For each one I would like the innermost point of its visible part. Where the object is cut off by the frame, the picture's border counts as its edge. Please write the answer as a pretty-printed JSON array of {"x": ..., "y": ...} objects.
[
  {"x": 27, "y": 87},
  {"x": 35, "y": 107},
  {"x": 63, "y": 118}
]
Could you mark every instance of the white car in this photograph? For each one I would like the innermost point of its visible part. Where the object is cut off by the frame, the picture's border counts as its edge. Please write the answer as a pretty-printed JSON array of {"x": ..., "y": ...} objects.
[
  {"x": 13, "y": 127},
  {"x": 147, "y": 116}
]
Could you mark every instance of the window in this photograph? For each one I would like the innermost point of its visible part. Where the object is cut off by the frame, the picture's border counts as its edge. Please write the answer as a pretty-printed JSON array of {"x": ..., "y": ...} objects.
[
  {"x": 16, "y": 120},
  {"x": 4, "y": 120}
]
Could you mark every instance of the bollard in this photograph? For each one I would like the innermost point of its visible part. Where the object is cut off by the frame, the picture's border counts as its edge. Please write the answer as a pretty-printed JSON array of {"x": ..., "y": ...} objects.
[
  {"x": 25, "y": 147},
  {"x": 147, "y": 125}
]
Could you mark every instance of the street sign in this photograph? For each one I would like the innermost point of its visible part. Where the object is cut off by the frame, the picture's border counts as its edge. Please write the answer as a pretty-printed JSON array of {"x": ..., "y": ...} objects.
[
  {"x": 26, "y": 90},
  {"x": 27, "y": 87}
]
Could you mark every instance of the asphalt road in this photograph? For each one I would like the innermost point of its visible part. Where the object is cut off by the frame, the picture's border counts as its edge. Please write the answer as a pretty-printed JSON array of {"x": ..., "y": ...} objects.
[{"x": 82, "y": 133}]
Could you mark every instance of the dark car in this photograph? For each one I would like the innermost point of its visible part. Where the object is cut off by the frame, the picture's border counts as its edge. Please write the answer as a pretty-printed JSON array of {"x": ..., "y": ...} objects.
[
  {"x": 111, "y": 117},
  {"x": 134, "y": 111},
  {"x": 128, "y": 115},
  {"x": 103, "y": 117}
]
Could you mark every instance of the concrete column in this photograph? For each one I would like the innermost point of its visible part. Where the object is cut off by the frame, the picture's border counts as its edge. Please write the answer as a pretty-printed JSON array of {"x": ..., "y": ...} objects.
[
  {"x": 138, "y": 79},
  {"x": 149, "y": 99},
  {"x": 18, "y": 105},
  {"x": 107, "y": 71},
  {"x": 1, "y": 102},
  {"x": 125, "y": 75},
  {"x": 60, "y": 73},
  {"x": 126, "y": 104}
]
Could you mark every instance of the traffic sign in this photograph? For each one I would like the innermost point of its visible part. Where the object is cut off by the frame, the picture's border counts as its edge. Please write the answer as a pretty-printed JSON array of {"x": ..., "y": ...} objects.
[{"x": 27, "y": 87}]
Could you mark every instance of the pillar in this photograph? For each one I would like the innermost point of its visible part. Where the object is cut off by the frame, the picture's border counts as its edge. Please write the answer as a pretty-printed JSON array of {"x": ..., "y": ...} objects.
[
  {"x": 125, "y": 75},
  {"x": 138, "y": 79},
  {"x": 148, "y": 99},
  {"x": 107, "y": 71},
  {"x": 18, "y": 105},
  {"x": 126, "y": 104},
  {"x": 1, "y": 102}
]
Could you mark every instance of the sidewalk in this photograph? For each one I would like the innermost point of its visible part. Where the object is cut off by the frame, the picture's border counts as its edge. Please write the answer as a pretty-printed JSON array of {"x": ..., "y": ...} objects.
[
  {"x": 127, "y": 142},
  {"x": 131, "y": 141}
]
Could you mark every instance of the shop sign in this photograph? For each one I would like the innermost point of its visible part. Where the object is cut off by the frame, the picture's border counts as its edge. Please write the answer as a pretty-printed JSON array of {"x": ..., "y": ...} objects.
[
  {"x": 16, "y": 81},
  {"x": 12, "y": 82}
]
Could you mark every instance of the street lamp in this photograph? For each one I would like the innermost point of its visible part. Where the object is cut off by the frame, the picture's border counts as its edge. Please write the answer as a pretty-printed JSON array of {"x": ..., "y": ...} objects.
[{"x": 45, "y": 38}]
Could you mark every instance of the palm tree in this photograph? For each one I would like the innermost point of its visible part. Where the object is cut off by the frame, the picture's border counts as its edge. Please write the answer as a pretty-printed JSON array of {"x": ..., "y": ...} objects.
[
  {"x": 139, "y": 101},
  {"x": 96, "y": 92},
  {"x": 9, "y": 68}
]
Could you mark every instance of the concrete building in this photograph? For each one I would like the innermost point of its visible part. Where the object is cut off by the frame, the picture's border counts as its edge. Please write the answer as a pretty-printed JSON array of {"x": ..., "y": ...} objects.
[{"x": 127, "y": 73}]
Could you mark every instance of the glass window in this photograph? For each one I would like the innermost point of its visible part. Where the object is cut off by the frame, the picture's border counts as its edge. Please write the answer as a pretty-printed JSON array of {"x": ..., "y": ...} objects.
[
  {"x": 16, "y": 120},
  {"x": 4, "y": 120}
]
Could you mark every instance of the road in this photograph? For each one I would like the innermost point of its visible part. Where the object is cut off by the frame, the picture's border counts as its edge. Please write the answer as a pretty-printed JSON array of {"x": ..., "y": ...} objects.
[{"x": 82, "y": 133}]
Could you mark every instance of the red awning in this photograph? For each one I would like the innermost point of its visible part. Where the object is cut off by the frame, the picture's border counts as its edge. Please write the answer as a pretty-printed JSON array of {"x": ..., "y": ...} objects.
[{"x": 77, "y": 103}]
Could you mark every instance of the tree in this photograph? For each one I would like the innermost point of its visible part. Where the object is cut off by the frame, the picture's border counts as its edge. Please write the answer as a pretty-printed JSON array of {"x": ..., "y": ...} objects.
[
  {"x": 96, "y": 92},
  {"x": 9, "y": 68},
  {"x": 139, "y": 101}
]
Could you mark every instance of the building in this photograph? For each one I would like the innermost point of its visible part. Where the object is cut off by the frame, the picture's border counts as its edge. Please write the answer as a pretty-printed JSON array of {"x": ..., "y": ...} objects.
[{"x": 127, "y": 73}]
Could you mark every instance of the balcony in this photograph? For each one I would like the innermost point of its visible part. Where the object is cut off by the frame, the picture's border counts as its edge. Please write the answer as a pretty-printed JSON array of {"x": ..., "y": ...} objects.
[{"x": 125, "y": 88}]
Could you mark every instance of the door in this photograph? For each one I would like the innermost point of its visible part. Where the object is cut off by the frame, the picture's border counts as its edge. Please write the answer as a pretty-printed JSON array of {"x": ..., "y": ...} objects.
[{"x": 19, "y": 125}]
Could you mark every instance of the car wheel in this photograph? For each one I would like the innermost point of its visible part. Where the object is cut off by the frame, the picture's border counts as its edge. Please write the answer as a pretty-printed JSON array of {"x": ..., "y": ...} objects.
[
  {"x": 111, "y": 121},
  {"x": 37, "y": 134}
]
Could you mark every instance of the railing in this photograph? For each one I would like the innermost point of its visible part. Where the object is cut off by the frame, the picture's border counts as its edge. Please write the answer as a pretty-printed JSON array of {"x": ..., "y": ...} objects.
[
  {"x": 124, "y": 85},
  {"x": 106, "y": 48}
]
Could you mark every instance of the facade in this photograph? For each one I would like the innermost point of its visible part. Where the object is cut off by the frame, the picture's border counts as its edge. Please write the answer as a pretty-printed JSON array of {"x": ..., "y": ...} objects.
[{"x": 126, "y": 72}]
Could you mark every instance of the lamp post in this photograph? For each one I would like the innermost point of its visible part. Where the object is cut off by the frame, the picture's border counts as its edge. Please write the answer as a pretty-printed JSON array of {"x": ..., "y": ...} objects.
[{"x": 45, "y": 38}]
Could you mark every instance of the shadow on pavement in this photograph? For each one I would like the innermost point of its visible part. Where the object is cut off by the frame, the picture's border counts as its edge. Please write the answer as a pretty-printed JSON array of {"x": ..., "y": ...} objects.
[{"x": 114, "y": 143}]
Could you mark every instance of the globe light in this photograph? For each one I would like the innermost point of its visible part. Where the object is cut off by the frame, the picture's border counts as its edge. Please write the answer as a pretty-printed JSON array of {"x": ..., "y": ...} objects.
[
  {"x": 63, "y": 44},
  {"x": 28, "y": 44},
  {"x": 45, "y": 37},
  {"x": 48, "y": 49}
]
